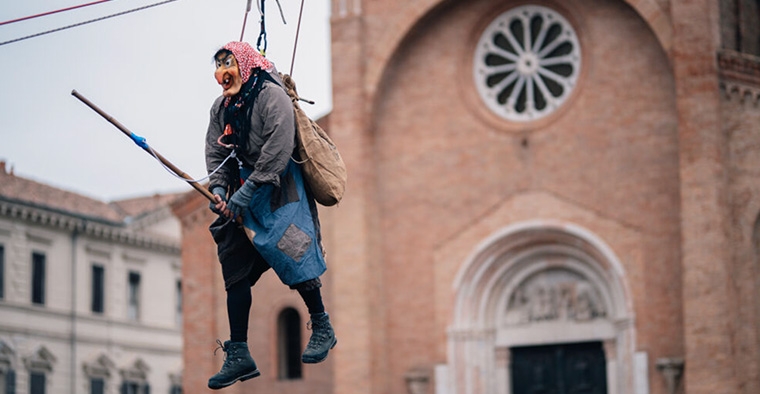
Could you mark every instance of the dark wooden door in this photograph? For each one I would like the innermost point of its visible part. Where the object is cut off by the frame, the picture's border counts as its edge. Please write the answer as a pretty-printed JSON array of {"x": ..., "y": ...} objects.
[{"x": 577, "y": 368}]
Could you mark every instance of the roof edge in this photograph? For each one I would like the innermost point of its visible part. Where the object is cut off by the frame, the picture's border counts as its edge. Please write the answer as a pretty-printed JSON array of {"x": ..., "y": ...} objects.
[{"x": 92, "y": 226}]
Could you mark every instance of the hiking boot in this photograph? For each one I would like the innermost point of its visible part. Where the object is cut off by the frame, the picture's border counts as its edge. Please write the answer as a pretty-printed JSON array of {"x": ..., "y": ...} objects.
[
  {"x": 321, "y": 341},
  {"x": 238, "y": 365}
]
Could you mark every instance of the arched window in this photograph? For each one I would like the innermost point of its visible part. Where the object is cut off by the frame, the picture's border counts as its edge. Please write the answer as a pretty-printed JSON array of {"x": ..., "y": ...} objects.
[{"x": 289, "y": 344}]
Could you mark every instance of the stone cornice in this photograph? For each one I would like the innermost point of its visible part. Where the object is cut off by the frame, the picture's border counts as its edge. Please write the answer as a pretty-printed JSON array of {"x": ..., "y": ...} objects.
[
  {"x": 739, "y": 67},
  {"x": 740, "y": 92},
  {"x": 94, "y": 227}
]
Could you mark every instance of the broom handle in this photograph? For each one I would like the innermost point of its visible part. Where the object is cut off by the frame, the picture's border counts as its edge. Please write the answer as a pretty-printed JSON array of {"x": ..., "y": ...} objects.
[{"x": 150, "y": 151}]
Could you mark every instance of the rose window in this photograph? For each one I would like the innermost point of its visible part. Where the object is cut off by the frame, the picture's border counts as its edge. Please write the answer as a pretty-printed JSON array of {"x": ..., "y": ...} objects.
[{"x": 527, "y": 62}]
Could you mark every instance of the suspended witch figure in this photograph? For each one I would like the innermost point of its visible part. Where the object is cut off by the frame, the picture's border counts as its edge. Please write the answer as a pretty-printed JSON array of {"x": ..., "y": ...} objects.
[
  {"x": 267, "y": 214},
  {"x": 253, "y": 121}
]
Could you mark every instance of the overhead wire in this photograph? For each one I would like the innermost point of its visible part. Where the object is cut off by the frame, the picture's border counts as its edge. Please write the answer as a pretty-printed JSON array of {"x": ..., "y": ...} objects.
[
  {"x": 8, "y": 22},
  {"x": 87, "y": 22}
]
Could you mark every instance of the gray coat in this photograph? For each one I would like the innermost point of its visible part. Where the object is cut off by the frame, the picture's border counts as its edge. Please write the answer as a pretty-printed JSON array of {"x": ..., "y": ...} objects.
[
  {"x": 282, "y": 214},
  {"x": 271, "y": 139}
]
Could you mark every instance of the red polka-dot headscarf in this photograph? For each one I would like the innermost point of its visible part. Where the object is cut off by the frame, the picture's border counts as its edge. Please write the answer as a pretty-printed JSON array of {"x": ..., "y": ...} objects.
[{"x": 247, "y": 58}]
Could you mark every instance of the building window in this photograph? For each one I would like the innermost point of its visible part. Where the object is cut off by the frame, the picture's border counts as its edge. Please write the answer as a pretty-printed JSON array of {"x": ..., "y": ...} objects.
[
  {"x": 2, "y": 273},
  {"x": 8, "y": 381},
  {"x": 98, "y": 371},
  {"x": 7, "y": 374},
  {"x": 175, "y": 380},
  {"x": 289, "y": 344},
  {"x": 135, "y": 378},
  {"x": 526, "y": 63},
  {"x": 135, "y": 388},
  {"x": 97, "y": 386},
  {"x": 98, "y": 288},
  {"x": 36, "y": 382},
  {"x": 38, "y": 278},
  {"x": 740, "y": 25},
  {"x": 178, "y": 303},
  {"x": 133, "y": 308},
  {"x": 39, "y": 364}
]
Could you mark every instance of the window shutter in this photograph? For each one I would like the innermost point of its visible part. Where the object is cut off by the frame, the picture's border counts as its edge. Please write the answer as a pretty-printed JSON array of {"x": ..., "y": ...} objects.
[
  {"x": 146, "y": 388},
  {"x": 124, "y": 389}
]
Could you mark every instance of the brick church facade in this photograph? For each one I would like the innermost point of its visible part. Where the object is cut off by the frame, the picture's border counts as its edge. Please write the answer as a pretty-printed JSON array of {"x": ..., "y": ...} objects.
[{"x": 542, "y": 195}]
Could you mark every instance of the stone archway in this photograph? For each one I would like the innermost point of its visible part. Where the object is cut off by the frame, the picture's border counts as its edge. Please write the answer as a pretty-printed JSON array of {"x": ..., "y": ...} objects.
[{"x": 538, "y": 283}]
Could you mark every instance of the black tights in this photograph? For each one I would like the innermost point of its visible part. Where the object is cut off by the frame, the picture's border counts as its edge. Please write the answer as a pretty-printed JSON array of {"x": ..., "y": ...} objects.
[{"x": 239, "y": 306}]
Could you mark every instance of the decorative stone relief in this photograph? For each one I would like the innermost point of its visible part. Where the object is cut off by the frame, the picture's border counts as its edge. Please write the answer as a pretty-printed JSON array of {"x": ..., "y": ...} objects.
[
  {"x": 100, "y": 366},
  {"x": 42, "y": 359},
  {"x": 7, "y": 356},
  {"x": 554, "y": 295},
  {"x": 136, "y": 371}
]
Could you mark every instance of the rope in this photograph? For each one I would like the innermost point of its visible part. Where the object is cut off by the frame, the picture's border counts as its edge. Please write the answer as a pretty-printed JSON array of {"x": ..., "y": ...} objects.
[
  {"x": 282, "y": 15},
  {"x": 245, "y": 19},
  {"x": 295, "y": 44},
  {"x": 86, "y": 22},
  {"x": 199, "y": 180},
  {"x": 142, "y": 143}
]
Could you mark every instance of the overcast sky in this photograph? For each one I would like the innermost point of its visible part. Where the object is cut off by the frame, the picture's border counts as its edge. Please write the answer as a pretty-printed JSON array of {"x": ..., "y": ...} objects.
[{"x": 151, "y": 70}]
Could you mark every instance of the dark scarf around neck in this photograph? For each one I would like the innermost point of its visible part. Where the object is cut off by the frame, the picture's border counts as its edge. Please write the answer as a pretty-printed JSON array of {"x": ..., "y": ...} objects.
[{"x": 237, "y": 110}]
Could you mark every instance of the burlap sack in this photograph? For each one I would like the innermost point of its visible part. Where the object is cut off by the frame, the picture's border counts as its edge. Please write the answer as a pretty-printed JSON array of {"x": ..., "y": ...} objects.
[{"x": 321, "y": 164}]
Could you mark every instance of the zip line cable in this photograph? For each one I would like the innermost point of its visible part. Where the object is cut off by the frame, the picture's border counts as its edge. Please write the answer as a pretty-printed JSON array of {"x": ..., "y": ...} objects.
[
  {"x": 52, "y": 12},
  {"x": 86, "y": 22}
]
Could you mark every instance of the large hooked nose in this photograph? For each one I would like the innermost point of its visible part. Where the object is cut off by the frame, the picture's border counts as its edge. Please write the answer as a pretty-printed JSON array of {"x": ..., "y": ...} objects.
[{"x": 219, "y": 75}]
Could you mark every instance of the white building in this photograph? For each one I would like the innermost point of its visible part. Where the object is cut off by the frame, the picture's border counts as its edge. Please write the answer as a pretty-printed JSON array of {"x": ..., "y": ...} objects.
[{"x": 90, "y": 293}]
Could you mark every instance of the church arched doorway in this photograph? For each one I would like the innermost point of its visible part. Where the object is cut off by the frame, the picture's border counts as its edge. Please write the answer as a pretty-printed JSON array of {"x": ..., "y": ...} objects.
[{"x": 541, "y": 304}]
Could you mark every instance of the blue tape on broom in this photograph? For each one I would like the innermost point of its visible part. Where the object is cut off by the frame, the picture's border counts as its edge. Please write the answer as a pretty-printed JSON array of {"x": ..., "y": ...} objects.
[{"x": 140, "y": 141}]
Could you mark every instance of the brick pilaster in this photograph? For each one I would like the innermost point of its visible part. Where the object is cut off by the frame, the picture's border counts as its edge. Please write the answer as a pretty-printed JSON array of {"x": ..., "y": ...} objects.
[{"x": 708, "y": 299}]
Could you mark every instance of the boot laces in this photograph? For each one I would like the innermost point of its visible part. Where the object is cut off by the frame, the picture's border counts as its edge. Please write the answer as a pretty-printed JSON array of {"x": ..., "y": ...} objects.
[
  {"x": 227, "y": 356},
  {"x": 318, "y": 335},
  {"x": 220, "y": 346}
]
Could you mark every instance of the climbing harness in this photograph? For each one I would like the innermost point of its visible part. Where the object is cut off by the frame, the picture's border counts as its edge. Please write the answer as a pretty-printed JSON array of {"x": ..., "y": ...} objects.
[{"x": 262, "y": 39}]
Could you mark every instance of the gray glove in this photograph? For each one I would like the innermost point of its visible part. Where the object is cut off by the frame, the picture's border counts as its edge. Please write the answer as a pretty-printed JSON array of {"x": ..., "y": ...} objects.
[
  {"x": 221, "y": 192},
  {"x": 240, "y": 200}
]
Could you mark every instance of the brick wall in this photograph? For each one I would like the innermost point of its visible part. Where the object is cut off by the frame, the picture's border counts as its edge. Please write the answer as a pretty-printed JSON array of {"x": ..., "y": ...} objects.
[{"x": 646, "y": 155}]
